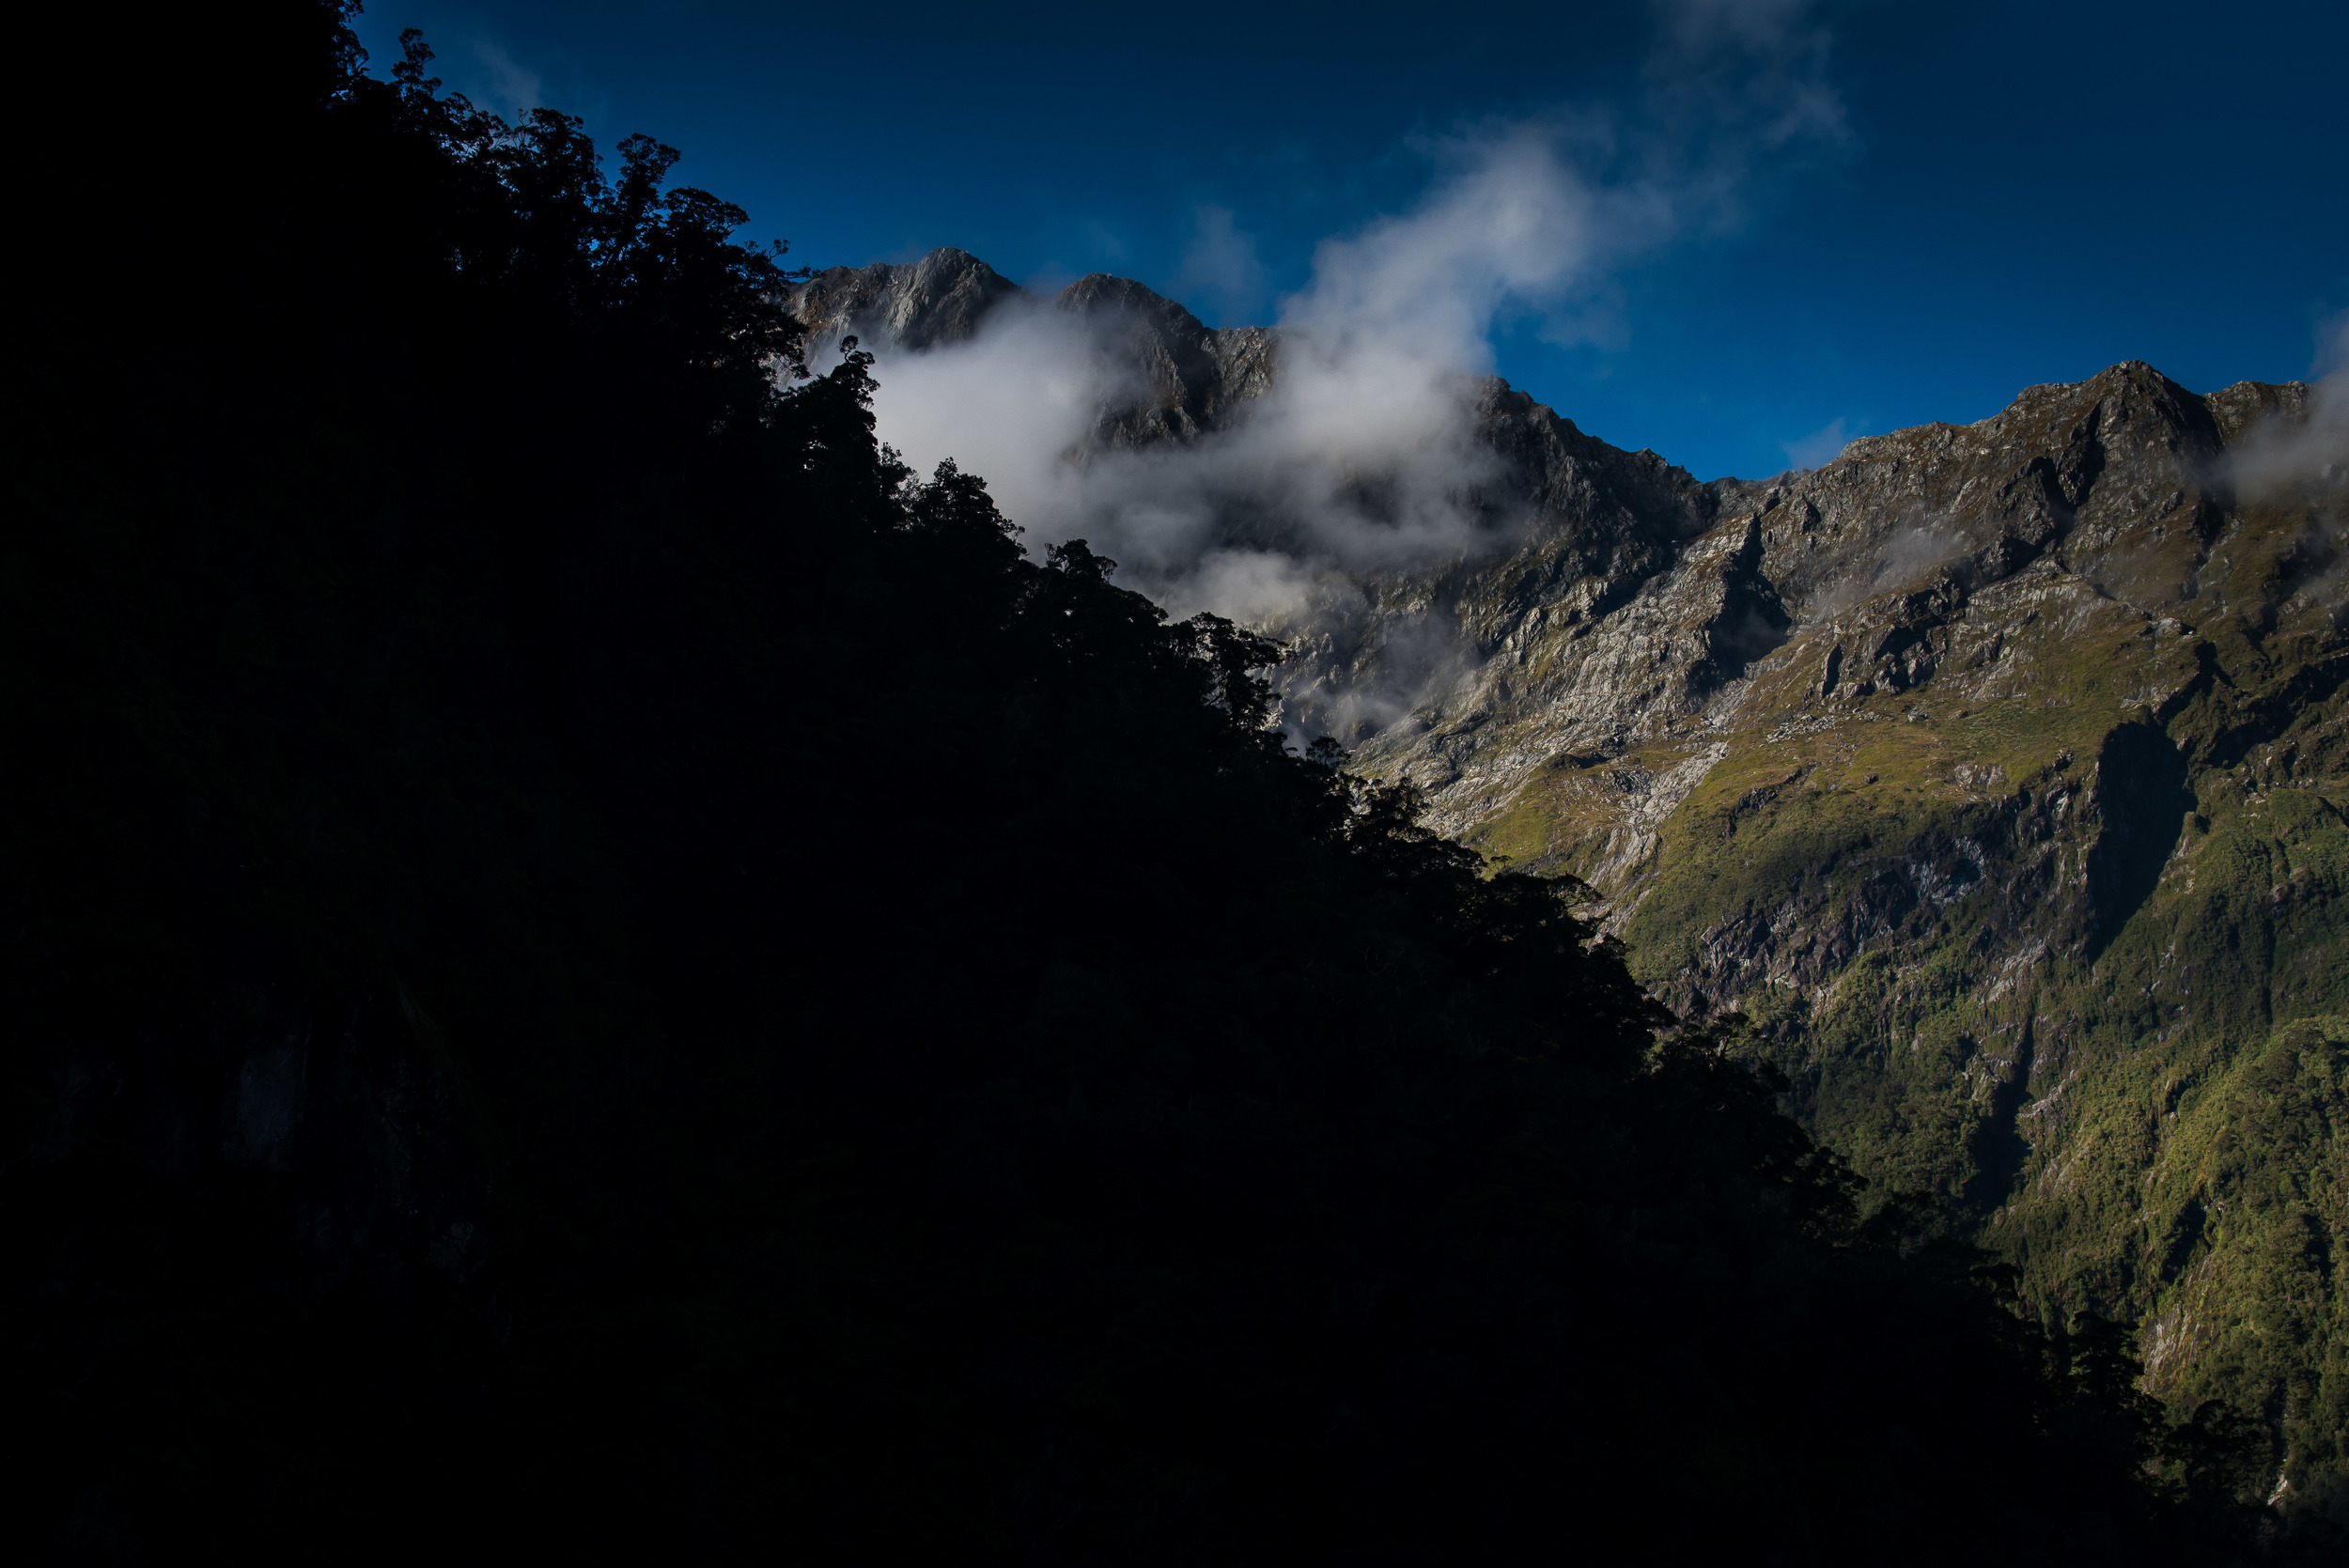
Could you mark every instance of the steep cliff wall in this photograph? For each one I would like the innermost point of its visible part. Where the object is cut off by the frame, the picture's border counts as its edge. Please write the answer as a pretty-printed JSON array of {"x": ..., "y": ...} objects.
[{"x": 2018, "y": 833}]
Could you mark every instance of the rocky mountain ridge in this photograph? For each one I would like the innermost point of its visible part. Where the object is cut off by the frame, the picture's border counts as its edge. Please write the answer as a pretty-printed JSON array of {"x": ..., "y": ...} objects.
[
  {"x": 1994, "y": 772},
  {"x": 1193, "y": 377}
]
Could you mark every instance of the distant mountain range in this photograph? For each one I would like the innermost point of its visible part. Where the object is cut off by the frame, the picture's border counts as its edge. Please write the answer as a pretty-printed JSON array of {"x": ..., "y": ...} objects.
[{"x": 1994, "y": 772}]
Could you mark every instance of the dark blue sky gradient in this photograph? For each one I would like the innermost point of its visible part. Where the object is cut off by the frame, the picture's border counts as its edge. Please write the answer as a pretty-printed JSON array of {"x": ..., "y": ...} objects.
[{"x": 2027, "y": 193}]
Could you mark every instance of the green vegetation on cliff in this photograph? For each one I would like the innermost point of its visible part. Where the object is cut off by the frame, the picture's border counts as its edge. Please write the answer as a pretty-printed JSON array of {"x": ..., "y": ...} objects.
[{"x": 2027, "y": 874}]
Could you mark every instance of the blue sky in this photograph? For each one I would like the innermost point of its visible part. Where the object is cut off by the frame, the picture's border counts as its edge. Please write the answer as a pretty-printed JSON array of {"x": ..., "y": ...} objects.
[{"x": 1879, "y": 214}]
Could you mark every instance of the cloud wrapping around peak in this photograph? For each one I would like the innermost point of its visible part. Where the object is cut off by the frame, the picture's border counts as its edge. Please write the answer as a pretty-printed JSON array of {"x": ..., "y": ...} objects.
[
  {"x": 2308, "y": 456},
  {"x": 1363, "y": 456}
]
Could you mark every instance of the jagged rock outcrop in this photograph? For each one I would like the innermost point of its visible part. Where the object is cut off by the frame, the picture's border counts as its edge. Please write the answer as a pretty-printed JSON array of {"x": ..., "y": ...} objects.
[
  {"x": 1409, "y": 678},
  {"x": 1195, "y": 379},
  {"x": 1858, "y": 573},
  {"x": 939, "y": 299},
  {"x": 1994, "y": 772}
]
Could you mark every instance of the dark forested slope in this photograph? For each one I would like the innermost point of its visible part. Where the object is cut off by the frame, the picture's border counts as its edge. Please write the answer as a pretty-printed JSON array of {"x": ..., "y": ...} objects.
[{"x": 590, "y": 962}]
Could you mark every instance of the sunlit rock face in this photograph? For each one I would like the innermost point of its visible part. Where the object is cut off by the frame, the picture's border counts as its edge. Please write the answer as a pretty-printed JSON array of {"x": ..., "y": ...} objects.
[
  {"x": 1994, "y": 772},
  {"x": 939, "y": 299}
]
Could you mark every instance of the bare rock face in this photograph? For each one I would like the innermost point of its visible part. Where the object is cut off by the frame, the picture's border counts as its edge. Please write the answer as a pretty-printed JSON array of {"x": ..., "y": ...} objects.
[
  {"x": 1997, "y": 774},
  {"x": 1860, "y": 575},
  {"x": 1197, "y": 377},
  {"x": 939, "y": 299},
  {"x": 1580, "y": 532}
]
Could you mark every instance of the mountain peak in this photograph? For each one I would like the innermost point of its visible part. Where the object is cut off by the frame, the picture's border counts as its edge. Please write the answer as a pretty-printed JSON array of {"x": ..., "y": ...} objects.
[
  {"x": 922, "y": 304},
  {"x": 1193, "y": 377}
]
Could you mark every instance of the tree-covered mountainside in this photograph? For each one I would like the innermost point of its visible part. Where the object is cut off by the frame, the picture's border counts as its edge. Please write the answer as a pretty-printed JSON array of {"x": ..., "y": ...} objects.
[{"x": 594, "y": 968}]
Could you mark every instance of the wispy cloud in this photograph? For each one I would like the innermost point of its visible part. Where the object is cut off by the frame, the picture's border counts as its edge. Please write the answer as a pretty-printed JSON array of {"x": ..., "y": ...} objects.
[
  {"x": 1761, "y": 67},
  {"x": 2310, "y": 453},
  {"x": 506, "y": 86},
  {"x": 2332, "y": 353},
  {"x": 510, "y": 82},
  {"x": 1822, "y": 447},
  {"x": 1105, "y": 241},
  {"x": 1220, "y": 269}
]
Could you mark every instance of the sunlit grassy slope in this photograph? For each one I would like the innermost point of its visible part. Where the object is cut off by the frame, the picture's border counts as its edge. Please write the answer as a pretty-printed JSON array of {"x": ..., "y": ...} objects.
[{"x": 2048, "y": 927}]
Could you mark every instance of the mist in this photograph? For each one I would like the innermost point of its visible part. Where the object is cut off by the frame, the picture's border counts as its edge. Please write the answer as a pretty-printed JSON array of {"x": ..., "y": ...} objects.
[
  {"x": 2284, "y": 458},
  {"x": 1361, "y": 457}
]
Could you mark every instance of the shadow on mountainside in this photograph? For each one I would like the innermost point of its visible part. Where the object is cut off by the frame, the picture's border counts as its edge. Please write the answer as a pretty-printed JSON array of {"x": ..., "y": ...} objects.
[{"x": 2141, "y": 791}]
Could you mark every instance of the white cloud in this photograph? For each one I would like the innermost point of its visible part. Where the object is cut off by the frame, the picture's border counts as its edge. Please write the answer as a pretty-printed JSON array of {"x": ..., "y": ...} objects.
[
  {"x": 2281, "y": 457},
  {"x": 1011, "y": 405}
]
